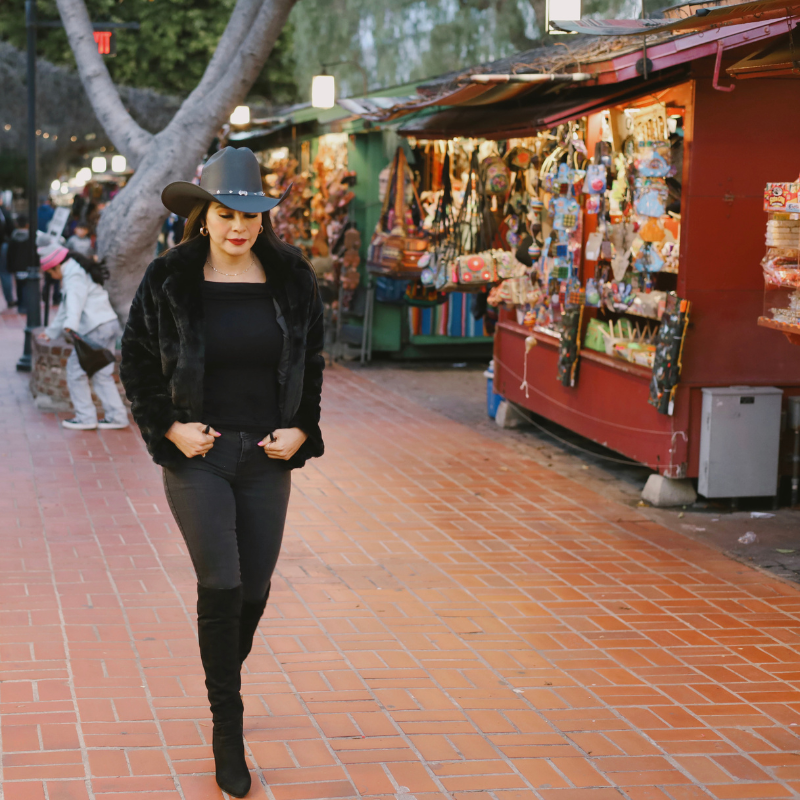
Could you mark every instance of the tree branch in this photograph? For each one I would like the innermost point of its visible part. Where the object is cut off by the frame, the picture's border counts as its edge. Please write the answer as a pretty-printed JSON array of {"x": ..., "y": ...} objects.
[
  {"x": 236, "y": 65},
  {"x": 250, "y": 57},
  {"x": 239, "y": 25},
  {"x": 128, "y": 137}
]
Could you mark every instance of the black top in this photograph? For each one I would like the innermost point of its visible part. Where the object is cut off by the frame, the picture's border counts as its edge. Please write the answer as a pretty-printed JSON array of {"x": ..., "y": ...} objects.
[{"x": 243, "y": 350}]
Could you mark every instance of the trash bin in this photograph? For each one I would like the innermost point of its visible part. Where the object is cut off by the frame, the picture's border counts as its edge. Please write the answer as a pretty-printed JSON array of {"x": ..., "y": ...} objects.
[{"x": 493, "y": 399}]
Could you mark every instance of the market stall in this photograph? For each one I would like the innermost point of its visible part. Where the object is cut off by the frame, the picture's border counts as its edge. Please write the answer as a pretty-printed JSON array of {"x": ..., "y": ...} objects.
[
  {"x": 646, "y": 180},
  {"x": 431, "y": 216}
]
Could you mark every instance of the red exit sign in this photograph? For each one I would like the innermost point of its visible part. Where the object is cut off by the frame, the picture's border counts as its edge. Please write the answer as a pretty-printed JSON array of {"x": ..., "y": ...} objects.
[{"x": 106, "y": 43}]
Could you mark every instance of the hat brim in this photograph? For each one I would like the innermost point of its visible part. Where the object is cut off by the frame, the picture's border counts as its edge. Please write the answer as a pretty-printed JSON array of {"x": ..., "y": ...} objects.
[{"x": 181, "y": 197}]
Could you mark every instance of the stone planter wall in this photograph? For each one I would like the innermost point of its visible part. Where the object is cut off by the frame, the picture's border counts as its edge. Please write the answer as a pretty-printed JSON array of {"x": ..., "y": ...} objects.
[{"x": 49, "y": 376}]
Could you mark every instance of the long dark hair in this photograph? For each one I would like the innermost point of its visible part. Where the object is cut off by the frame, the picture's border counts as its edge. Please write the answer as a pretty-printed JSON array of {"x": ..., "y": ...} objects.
[
  {"x": 197, "y": 220},
  {"x": 97, "y": 270}
]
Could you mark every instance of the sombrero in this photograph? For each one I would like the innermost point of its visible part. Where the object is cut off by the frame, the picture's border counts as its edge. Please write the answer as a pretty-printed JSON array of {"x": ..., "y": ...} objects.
[{"x": 231, "y": 177}]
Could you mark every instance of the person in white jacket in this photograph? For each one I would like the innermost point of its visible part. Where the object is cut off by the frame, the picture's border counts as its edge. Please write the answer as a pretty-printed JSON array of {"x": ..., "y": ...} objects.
[{"x": 85, "y": 309}]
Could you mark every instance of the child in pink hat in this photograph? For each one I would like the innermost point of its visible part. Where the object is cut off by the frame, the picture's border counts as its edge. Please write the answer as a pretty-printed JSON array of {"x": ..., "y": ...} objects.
[{"x": 86, "y": 310}]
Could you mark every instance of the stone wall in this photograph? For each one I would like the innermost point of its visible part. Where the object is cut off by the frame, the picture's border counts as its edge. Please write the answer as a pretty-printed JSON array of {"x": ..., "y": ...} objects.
[{"x": 49, "y": 376}]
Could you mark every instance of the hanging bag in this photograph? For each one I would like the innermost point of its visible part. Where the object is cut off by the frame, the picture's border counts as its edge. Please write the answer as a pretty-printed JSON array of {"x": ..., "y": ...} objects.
[
  {"x": 396, "y": 248},
  {"x": 473, "y": 266}
]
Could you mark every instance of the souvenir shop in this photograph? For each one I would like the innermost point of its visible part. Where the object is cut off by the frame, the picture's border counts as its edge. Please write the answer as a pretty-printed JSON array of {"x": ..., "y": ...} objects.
[
  {"x": 612, "y": 230},
  {"x": 450, "y": 204},
  {"x": 338, "y": 165}
]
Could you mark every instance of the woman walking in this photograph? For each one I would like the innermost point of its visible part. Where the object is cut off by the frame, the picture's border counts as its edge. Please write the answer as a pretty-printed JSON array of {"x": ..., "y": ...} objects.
[
  {"x": 86, "y": 310},
  {"x": 221, "y": 360}
]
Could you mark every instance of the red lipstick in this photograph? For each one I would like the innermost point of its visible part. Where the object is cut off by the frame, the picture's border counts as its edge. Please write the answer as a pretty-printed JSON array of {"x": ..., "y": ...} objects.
[{"x": 237, "y": 242}]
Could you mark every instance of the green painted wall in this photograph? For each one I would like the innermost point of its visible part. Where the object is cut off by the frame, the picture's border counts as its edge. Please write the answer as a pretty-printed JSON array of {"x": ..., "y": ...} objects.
[{"x": 367, "y": 155}]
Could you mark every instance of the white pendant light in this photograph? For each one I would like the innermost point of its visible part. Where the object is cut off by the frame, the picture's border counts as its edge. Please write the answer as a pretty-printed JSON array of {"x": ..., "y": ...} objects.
[
  {"x": 562, "y": 11},
  {"x": 240, "y": 115},
  {"x": 118, "y": 164},
  {"x": 84, "y": 176},
  {"x": 99, "y": 164},
  {"x": 323, "y": 91}
]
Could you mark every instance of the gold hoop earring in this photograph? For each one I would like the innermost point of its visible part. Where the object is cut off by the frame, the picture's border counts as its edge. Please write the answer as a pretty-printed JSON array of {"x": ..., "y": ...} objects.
[
  {"x": 203, "y": 230},
  {"x": 261, "y": 229}
]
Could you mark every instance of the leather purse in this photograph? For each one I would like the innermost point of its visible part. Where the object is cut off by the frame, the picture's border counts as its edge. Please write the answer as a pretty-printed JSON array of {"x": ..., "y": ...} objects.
[
  {"x": 477, "y": 269},
  {"x": 91, "y": 357},
  {"x": 396, "y": 247}
]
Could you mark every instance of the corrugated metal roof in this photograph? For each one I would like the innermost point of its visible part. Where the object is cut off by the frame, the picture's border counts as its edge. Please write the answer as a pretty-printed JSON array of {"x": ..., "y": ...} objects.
[{"x": 608, "y": 60}]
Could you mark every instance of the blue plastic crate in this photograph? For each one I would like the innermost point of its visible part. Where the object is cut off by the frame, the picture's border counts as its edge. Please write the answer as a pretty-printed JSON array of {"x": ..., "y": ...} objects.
[{"x": 493, "y": 399}]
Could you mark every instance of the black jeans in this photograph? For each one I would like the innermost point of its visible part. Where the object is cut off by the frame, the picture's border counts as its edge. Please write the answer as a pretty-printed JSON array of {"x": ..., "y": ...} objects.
[{"x": 231, "y": 509}]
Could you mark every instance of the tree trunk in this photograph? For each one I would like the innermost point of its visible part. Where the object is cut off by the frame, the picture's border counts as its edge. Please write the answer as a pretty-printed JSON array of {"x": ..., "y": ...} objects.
[{"x": 130, "y": 223}]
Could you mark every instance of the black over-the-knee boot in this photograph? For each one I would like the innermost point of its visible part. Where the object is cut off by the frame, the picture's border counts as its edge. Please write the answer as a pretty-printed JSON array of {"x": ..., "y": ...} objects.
[
  {"x": 218, "y": 618},
  {"x": 251, "y": 615}
]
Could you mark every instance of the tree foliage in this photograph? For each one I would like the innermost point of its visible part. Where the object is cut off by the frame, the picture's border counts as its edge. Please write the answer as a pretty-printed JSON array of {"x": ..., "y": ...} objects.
[
  {"x": 397, "y": 41},
  {"x": 169, "y": 53}
]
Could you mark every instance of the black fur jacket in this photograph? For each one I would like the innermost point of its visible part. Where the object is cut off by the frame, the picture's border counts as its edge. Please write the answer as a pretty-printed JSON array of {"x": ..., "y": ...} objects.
[{"x": 163, "y": 347}]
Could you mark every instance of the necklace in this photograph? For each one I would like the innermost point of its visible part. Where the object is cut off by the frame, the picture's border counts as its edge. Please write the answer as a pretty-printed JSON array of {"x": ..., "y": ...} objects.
[{"x": 232, "y": 274}]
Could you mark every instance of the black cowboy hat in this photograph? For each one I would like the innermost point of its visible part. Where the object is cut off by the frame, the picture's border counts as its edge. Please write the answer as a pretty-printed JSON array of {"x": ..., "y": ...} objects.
[{"x": 231, "y": 177}]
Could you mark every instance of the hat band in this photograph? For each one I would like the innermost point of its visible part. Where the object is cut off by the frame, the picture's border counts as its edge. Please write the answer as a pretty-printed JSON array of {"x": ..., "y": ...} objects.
[{"x": 240, "y": 192}]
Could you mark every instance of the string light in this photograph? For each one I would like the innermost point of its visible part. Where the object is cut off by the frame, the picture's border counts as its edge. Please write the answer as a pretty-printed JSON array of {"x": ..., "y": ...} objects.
[{"x": 73, "y": 138}]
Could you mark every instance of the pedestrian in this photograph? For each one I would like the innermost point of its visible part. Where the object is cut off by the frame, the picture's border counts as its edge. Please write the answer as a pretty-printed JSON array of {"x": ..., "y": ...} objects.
[
  {"x": 221, "y": 360},
  {"x": 6, "y": 279},
  {"x": 18, "y": 257},
  {"x": 86, "y": 310},
  {"x": 80, "y": 241},
  {"x": 45, "y": 213}
]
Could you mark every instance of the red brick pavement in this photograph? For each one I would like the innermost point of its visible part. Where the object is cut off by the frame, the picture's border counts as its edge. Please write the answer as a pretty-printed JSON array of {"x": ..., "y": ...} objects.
[{"x": 447, "y": 621}]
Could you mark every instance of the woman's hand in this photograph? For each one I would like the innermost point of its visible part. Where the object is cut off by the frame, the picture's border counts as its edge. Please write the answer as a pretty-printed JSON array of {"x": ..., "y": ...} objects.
[
  {"x": 285, "y": 443},
  {"x": 191, "y": 439}
]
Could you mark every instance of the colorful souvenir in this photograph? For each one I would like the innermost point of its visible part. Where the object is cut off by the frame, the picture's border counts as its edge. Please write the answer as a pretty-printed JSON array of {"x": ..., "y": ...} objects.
[
  {"x": 595, "y": 183},
  {"x": 476, "y": 269},
  {"x": 653, "y": 164},
  {"x": 782, "y": 197}
]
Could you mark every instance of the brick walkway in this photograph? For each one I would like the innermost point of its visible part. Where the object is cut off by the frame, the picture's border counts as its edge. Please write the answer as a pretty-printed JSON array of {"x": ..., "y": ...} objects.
[{"x": 446, "y": 622}]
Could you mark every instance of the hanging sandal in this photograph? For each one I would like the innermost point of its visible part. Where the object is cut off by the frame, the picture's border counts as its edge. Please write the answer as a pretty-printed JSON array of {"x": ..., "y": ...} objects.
[{"x": 219, "y": 614}]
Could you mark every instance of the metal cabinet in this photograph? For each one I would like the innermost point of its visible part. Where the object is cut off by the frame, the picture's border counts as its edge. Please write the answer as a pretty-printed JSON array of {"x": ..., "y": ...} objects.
[{"x": 739, "y": 441}]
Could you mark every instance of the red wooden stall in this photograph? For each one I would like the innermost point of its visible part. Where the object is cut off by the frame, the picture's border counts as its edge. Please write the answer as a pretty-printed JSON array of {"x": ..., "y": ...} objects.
[{"x": 735, "y": 142}]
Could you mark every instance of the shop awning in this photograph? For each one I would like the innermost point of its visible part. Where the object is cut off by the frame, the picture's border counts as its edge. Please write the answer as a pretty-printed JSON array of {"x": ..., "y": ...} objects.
[
  {"x": 246, "y": 138},
  {"x": 696, "y": 16},
  {"x": 779, "y": 58},
  {"x": 539, "y": 111}
]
